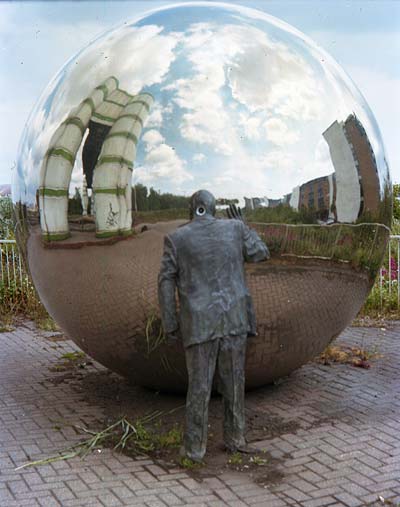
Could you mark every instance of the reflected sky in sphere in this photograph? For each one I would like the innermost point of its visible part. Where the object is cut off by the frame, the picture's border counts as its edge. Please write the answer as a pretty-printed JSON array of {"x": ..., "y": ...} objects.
[{"x": 241, "y": 101}]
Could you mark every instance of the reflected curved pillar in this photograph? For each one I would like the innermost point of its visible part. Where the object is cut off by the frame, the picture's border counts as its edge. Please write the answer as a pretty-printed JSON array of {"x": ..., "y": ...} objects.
[
  {"x": 112, "y": 182},
  {"x": 55, "y": 175}
]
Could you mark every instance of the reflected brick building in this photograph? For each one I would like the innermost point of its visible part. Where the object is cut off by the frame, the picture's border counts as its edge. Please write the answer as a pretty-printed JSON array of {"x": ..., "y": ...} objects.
[
  {"x": 365, "y": 162},
  {"x": 357, "y": 184},
  {"x": 317, "y": 195}
]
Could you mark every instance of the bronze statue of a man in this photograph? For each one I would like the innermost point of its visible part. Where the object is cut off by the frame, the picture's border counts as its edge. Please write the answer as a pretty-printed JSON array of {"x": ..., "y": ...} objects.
[{"x": 204, "y": 260}]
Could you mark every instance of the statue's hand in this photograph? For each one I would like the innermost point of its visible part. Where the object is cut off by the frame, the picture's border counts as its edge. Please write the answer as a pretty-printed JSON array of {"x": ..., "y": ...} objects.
[{"x": 235, "y": 212}]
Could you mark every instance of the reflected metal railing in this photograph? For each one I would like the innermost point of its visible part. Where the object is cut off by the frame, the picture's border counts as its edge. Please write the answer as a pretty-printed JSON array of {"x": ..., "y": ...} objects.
[
  {"x": 13, "y": 273},
  {"x": 389, "y": 276}
]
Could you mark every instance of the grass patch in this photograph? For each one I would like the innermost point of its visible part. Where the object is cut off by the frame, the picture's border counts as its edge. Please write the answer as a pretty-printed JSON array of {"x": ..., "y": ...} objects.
[
  {"x": 258, "y": 460},
  {"x": 381, "y": 302},
  {"x": 46, "y": 323},
  {"x": 71, "y": 361},
  {"x": 73, "y": 356},
  {"x": 235, "y": 459},
  {"x": 190, "y": 464},
  {"x": 5, "y": 329},
  {"x": 22, "y": 300},
  {"x": 245, "y": 462}
]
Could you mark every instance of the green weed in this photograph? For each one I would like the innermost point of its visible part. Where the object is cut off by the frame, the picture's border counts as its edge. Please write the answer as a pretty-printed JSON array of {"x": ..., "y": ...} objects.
[
  {"x": 190, "y": 464},
  {"x": 235, "y": 459},
  {"x": 73, "y": 356},
  {"x": 257, "y": 460}
]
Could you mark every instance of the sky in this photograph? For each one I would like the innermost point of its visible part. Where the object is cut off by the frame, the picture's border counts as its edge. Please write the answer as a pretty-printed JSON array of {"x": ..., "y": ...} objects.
[{"x": 38, "y": 38}]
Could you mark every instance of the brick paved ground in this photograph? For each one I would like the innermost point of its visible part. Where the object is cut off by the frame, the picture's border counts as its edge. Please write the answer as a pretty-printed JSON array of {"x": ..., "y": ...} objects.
[{"x": 345, "y": 449}]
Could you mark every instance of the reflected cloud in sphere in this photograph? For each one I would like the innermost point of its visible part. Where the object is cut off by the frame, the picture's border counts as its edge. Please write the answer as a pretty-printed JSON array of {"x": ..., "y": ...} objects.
[{"x": 201, "y": 96}]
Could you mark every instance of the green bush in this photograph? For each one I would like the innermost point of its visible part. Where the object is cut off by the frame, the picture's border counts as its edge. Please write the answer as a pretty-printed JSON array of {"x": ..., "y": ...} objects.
[
  {"x": 382, "y": 301},
  {"x": 6, "y": 218}
]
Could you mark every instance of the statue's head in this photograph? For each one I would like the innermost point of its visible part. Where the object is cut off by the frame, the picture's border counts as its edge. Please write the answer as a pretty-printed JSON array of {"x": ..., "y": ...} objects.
[{"x": 202, "y": 203}]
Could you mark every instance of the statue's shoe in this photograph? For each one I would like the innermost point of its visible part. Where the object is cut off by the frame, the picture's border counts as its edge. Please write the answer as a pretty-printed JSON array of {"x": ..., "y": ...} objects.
[
  {"x": 245, "y": 449},
  {"x": 184, "y": 455}
]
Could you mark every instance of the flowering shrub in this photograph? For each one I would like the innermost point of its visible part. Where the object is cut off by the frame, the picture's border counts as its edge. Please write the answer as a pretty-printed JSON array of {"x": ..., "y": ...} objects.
[{"x": 393, "y": 271}]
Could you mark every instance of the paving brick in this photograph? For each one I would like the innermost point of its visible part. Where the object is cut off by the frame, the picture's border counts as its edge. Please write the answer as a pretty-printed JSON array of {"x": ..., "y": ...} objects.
[
  {"x": 63, "y": 494},
  {"x": 296, "y": 494},
  {"x": 170, "y": 499},
  {"x": 319, "y": 502},
  {"x": 122, "y": 492},
  {"x": 49, "y": 501},
  {"x": 304, "y": 486},
  {"x": 226, "y": 494},
  {"x": 155, "y": 503},
  {"x": 275, "y": 503},
  {"x": 348, "y": 500}
]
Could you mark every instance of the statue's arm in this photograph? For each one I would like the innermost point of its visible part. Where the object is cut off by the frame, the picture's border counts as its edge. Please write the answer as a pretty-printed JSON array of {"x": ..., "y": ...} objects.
[
  {"x": 254, "y": 248},
  {"x": 167, "y": 279}
]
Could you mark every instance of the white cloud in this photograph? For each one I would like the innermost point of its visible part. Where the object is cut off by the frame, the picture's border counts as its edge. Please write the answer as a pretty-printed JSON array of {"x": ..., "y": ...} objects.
[
  {"x": 266, "y": 75},
  {"x": 206, "y": 117},
  {"x": 198, "y": 157},
  {"x": 137, "y": 56},
  {"x": 251, "y": 125},
  {"x": 152, "y": 138},
  {"x": 163, "y": 163},
  {"x": 278, "y": 132},
  {"x": 155, "y": 118}
]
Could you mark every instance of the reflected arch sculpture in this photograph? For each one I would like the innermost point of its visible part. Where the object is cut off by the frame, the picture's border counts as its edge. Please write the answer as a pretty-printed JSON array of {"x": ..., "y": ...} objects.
[
  {"x": 114, "y": 163},
  {"x": 197, "y": 96}
]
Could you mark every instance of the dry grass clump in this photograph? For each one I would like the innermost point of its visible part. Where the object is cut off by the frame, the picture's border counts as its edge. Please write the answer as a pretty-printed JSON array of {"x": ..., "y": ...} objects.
[{"x": 356, "y": 356}]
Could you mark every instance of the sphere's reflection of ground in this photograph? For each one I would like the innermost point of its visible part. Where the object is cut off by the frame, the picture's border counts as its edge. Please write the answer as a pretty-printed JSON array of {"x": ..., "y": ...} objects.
[{"x": 301, "y": 304}]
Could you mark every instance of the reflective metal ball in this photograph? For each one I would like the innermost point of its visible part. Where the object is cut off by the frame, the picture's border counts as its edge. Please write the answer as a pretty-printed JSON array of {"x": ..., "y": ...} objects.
[{"x": 197, "y": 96}]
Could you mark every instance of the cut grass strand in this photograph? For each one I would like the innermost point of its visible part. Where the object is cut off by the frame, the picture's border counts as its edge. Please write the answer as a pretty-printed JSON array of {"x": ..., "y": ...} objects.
[{"x": 120, "y": 434}]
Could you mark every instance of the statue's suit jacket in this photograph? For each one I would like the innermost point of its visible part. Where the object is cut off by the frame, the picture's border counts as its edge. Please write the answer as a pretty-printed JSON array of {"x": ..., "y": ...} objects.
[{"x": 204, "y": 260}]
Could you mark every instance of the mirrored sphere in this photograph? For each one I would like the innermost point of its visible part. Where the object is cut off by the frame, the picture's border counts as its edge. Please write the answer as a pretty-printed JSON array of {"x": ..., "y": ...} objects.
[{"x": 198, "y": 96}]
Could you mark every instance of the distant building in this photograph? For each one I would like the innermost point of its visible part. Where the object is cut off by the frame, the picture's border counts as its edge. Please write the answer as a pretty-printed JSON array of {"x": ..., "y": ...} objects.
[
  {"x": 365, "y": 162},
  {"x": 295, "y": 198},
  {"x": 252, "y": 203},
  {"x": 315, "y": 195},
  {"x": 348, "y": 195},
  {"x": 248, "y": 203},
  {"x": 357, "y": 184}
]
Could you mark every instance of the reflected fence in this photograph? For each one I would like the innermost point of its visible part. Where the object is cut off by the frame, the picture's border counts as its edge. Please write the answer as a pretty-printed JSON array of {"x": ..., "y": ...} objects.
[
  {"x": 12, "y": 272},
  {"x": 13, "y": 275},
  {"x": 389, "y": 273}
]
